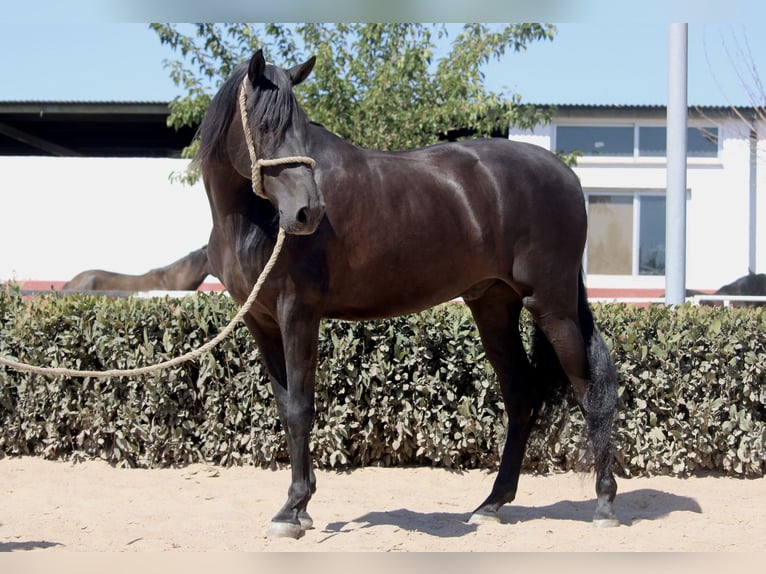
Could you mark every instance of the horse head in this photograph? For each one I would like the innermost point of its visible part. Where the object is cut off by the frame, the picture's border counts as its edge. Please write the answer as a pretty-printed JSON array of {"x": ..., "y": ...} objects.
[{"x": 277, "y": 127}]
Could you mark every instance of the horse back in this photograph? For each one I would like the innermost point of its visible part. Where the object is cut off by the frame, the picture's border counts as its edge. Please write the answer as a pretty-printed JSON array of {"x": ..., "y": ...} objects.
[
  {"x": 431, "y": 223},
  {"x": 504, "y": 175}
]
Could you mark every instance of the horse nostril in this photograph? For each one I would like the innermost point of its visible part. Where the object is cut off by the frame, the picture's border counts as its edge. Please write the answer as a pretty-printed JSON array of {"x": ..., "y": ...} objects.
[{"x": 303, "y": 216}]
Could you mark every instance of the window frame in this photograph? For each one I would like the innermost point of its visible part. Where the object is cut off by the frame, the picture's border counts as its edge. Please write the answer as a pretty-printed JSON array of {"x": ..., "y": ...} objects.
[
  {"x": 636, "y": 194},
  {"x": 636, "y": 125},
  {"x": 623, "y": 125}
]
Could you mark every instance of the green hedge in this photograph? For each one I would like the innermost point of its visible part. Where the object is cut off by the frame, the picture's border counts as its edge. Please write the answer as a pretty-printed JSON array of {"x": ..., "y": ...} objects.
[{"x": 414, "y": 390}]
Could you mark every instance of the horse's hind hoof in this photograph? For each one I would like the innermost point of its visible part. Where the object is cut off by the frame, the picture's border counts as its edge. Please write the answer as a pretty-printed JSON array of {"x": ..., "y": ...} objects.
[
  {"x": 484, "y": 518},
  {"x": 284, "y": 530},
  {"x": 604, "y": 517},
  {"x": 605, "y": 522},
  {"x": 307, "y": 523}
]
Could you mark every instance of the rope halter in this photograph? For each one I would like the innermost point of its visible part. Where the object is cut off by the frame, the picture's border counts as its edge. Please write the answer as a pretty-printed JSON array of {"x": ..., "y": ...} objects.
[{"x": 255, "y": 163}]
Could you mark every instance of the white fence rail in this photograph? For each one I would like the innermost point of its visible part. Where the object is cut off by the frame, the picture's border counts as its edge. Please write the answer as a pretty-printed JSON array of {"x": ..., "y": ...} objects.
[
  {"x": 725, "y": 300},
  {"x": 728, "y": 299}
]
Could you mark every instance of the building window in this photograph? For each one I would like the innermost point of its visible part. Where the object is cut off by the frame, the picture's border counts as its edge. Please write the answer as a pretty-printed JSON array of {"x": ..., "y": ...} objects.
[
  {"x": 612, "y": 141},
  {"x": 632, "y": 141},
  {"x": 700, "y": 142},
  {"x": 610, "y": 235},
  {"x": 626, "y": 233},
  {"x": 652, "y": 141}
]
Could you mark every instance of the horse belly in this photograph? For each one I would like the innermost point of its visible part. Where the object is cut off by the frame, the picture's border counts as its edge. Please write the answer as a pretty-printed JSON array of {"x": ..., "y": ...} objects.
[
  {"x": 402, "y": 285},
  {"x": 382, "y": 307}
]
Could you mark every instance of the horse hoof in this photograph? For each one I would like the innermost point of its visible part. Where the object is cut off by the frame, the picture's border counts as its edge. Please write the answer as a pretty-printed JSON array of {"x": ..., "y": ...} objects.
[
  {"x": 483, "y": 518},
  {"x": 605, "y": 522},
  {"x": 307, "y": 523},
  {"x": 284, "y": 530}
]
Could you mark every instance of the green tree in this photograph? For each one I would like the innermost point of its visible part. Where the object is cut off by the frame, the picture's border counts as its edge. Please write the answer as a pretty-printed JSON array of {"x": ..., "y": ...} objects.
[{"x": 380, "y": 85}]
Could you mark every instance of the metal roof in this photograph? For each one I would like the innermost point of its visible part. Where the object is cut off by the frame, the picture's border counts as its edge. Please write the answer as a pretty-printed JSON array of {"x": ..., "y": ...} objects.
[
  {"x": 93, "y": 107},
  {"x": 646, "y": 111},
  {"x": 96, "y": 129}
]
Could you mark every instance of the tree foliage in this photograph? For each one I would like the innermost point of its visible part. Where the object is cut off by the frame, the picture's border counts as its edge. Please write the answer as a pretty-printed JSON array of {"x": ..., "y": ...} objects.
[{"x": 380, "y": 85}]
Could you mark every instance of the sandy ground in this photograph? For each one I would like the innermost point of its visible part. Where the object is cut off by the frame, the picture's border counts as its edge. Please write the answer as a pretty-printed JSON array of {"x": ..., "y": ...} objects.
[{"x": 53, "y": 506}]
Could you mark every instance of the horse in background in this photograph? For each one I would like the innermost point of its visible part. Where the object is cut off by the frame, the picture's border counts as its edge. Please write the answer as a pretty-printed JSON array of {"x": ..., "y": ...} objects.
[
  {"x": 184, "y": 274},
  {"x": 750, "y": 284}
]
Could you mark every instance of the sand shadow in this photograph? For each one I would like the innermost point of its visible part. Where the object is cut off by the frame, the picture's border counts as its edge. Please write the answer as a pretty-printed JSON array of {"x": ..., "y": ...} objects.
[
  {"x": 631, "y": 507},
  {"x": 438, "y": 524},
  {"x": 651, "y": 504},
  {"x": 27, "y": 545}
]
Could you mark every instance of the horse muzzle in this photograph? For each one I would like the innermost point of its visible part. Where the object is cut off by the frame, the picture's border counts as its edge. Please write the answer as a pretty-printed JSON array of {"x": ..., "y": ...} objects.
[{"x": 304, "y": 222}]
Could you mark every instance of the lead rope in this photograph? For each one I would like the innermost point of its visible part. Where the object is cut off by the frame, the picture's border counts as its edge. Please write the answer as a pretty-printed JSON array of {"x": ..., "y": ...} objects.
[
  {"x": 191, "y": 355},
  {"x": 196, "y": 353}
]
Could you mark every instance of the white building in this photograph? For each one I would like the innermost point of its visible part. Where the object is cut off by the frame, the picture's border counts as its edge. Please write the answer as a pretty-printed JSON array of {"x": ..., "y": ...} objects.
[
  {"x": 623, "y": 174},
  {"x": 87, "y": 185}
]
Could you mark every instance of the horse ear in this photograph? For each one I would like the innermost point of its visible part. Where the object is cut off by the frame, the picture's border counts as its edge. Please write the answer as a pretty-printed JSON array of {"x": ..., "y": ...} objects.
[
  {"x": 256, "y": 67},
  {"x": 301, "y": 71}
]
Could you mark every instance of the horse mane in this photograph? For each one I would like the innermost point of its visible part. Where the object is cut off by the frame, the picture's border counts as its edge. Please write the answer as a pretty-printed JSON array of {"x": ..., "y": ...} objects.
[
  {"x": 275, "y": 108},
  {"x": 215, "y": 123}
]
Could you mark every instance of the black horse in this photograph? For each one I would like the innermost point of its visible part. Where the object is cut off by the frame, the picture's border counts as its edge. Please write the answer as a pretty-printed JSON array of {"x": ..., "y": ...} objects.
[{"x": 375, "y": 234}]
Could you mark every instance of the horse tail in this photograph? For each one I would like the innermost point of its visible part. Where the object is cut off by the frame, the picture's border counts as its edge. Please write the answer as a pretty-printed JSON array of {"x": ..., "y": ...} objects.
[
  {"x": 600, "y": 401},
  {"x": 552, "y": 384}
]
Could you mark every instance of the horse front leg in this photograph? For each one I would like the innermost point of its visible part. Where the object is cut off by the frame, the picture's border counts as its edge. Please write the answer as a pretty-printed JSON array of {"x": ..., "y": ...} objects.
[{"x": 290, "y": 355}]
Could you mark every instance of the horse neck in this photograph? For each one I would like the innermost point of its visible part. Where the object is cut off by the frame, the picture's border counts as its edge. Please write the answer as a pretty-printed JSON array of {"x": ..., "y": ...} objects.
[
  {"x": 321, "y": 141},
  {"x": 185, "y": 274},
  {"x": 230, "y": 194}
]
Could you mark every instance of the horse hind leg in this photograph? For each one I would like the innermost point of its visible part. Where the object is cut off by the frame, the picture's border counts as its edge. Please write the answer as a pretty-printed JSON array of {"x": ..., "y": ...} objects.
[{"x": 584, "y": 357}]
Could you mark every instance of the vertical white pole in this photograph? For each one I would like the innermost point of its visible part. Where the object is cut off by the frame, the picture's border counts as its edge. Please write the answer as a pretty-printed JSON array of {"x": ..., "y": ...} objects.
[
  {"x": 675, "y": 203},
  {"x": 752, "y": 261}
]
